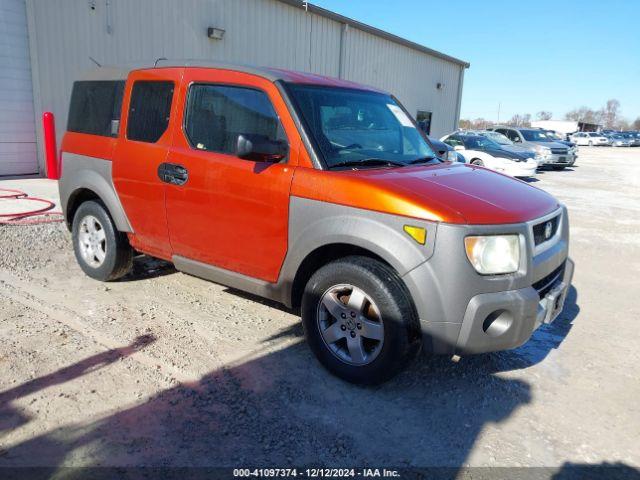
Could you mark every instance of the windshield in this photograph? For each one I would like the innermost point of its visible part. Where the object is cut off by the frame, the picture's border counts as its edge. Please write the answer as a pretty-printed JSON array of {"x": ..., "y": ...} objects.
[
  {"x": 478, "y": 143},
  {"x": 497, "y": 137},
  {"x": 535, "y": 136},
  {"x": 350, "y": 126}
]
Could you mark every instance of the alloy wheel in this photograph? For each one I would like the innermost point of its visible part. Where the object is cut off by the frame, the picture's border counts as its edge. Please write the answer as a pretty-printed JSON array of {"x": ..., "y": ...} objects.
[
  {"x": 350, "y": 324},
  {"x": 92, "y": 241}
]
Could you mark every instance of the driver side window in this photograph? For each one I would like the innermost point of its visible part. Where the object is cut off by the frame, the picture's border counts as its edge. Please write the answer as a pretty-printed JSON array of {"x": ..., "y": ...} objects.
[{"x": 513, "y": 136}]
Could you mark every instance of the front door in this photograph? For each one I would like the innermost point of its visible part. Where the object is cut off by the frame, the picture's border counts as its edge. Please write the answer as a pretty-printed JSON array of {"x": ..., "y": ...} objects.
[
  {"x": 143, "y": 145},
  {"x": 226, "y": 211}
]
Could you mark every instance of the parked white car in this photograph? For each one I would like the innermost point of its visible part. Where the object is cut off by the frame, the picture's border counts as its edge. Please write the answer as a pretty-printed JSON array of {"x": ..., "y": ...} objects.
[
  {"x": 484, "y": 152},
  {"x": 590, "y": 138}
]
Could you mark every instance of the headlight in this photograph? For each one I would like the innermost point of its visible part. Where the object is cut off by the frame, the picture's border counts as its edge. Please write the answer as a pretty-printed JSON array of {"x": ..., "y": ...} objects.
[
  {"x": 543, "y": 150},
  {"x": 493, "y": 254}
]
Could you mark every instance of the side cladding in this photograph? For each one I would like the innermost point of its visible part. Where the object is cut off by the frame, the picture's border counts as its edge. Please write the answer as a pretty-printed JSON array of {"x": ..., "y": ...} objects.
[{"x": 81, "y": 173}]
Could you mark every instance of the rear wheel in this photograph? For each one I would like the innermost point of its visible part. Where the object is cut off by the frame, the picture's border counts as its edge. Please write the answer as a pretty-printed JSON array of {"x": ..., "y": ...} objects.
[
  {"x": 359, "y": 320},
  {"x": 101, "y": 250}
]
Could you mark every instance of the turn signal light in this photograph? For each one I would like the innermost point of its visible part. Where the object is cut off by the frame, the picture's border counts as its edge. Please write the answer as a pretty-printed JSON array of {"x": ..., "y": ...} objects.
[{"x": 419, "y": 234}]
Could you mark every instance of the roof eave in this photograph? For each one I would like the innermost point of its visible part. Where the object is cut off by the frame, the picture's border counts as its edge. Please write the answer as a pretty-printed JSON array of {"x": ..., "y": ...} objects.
[{"x": 374, "y": 31}]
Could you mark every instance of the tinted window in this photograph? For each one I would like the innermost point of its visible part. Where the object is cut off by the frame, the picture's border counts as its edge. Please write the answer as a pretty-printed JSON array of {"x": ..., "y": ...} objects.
[
  {"x": 149, "y": 111},
  {"x": 535, "y": 136},
  {"x": 511, "y": 135},
  {"x": 217, "y": 114},
  {"x": 95, "y": 106}
]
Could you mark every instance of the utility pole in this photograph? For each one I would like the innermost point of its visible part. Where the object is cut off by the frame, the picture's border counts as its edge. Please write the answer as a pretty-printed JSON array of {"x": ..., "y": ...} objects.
[{"x": 499, "y": 106}]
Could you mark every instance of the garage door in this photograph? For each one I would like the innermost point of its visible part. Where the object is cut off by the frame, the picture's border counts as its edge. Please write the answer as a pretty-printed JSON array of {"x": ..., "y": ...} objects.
[{"x": 17, "y": 126}]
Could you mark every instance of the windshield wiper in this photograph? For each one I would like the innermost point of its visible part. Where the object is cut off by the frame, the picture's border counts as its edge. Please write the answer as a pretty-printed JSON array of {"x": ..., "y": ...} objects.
[
  {"x": 369, "y": 162},
  {"x": 421, "y": 160}
]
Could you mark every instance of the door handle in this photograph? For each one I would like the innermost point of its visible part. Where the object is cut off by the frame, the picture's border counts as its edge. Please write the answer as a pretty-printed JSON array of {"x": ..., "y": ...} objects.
[{"x": 173, "y": 173}]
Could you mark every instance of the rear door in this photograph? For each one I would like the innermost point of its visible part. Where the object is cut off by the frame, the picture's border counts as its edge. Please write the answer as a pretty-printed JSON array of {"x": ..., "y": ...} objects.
[
  {"x": 230, "y": 212},
  {"x": 143, "y": 145}
]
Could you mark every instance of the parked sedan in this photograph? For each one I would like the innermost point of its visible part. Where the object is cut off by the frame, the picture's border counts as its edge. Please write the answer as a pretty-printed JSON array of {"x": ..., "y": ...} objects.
[
  {"x": 484, "y": 152},
  {"x": 618, "y": 140},
  {"x": 505, "y": 143},
  {"x": 633, "y": 137},
  {"x": 590, "y": 138}
]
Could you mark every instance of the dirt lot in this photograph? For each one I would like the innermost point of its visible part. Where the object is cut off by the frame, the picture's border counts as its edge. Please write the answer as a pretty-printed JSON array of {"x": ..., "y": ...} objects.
[{"x": 166, "y": 369}]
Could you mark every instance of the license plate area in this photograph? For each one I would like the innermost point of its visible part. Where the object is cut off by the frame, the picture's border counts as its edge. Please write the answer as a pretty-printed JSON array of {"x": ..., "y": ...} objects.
[
  {"x": 555, "y": 302},
  {"x": 562, "y": 159}
]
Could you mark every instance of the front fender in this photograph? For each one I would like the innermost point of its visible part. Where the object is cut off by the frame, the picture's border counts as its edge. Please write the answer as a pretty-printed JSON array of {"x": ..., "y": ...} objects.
[{"x": 314, "y": 224}]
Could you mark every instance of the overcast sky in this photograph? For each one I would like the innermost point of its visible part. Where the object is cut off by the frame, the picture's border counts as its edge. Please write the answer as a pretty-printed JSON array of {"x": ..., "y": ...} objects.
[{"x": 528, "y": 56}]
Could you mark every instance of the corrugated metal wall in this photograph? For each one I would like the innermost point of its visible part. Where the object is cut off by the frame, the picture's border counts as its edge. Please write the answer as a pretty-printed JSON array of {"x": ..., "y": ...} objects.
[
  {"x": 65, "y": 33},
  {"x": 17, "y": 126}
]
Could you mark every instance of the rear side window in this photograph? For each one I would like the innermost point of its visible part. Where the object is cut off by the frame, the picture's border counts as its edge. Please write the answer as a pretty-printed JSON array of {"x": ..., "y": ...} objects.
[
  {"x": 95, "y": 107},
  {"x": 217, "y": 114},
  {"x": 149, "y": 110}
]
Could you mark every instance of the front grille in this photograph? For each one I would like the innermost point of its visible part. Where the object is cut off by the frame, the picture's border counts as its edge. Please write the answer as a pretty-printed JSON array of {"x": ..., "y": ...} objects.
[
  {"x": 541, "y": 233},
  {"x": 559, "y": 151},
  {"x": 546, "y": 284}
]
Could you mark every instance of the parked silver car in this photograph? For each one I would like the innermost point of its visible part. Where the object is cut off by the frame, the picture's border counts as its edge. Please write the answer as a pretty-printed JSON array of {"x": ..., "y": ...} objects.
[
  {"x": 553, "y": 154},
  {"x": 618, "y": 140}
]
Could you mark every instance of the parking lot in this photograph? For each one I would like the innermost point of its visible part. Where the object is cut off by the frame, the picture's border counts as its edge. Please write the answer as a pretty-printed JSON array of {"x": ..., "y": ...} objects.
[{"x": 166, "y": 369}]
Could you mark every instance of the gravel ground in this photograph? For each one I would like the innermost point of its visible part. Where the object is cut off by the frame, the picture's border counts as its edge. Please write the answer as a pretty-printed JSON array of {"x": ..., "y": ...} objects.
[{"x": 165, "y": 369}]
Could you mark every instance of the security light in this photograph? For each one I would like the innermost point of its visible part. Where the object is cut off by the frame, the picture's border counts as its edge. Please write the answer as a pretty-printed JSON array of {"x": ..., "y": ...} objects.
[{"x": 215, "y": 33}]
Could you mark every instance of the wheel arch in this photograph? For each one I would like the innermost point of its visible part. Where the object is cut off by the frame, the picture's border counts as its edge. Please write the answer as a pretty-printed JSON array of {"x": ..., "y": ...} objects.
[
  {"x": 85, "y": 178},
  {"x": 320, "y": 233},
  {"x": 322, "y": 256}
]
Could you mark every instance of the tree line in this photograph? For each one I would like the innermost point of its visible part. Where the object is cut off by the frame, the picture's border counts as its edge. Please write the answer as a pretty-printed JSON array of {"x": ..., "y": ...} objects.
[{"x": 608, "y": 116}]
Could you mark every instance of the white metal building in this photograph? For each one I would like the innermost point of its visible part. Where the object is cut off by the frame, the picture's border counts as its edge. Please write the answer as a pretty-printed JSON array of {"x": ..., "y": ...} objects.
[{"x": 61, "y": 36}]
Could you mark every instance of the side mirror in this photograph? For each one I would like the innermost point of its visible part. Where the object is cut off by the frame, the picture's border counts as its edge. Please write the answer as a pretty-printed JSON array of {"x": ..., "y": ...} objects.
[
  {"x": 260, "y": 148},
  {"x": 516, "y": 139},
  {"x": 459, "y": 148},
  {"x": 451, "y": 156}
]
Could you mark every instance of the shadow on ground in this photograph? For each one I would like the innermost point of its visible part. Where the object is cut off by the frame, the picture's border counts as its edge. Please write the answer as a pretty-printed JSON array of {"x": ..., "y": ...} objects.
[{"x": 282, "y": 408}]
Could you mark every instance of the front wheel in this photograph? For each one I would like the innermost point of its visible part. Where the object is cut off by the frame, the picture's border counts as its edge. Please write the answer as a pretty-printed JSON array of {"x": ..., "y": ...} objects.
[
  {"x": 101, "y": 250},
  {"x": 359, "y": 320},
  {"x": 477, "y": 162}
]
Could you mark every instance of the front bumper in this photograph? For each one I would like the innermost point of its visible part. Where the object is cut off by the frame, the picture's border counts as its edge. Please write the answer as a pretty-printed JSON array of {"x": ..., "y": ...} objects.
[
  {"x": 519, "y": 169},
  {"x": 554, "y": 159},
  {"x": 505, "y": 320},
  {"x": 462, "y": 312}
]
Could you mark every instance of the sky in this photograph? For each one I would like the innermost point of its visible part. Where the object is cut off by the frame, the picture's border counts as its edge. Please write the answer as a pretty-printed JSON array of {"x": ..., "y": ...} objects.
[{"x": 525, "y": 56}]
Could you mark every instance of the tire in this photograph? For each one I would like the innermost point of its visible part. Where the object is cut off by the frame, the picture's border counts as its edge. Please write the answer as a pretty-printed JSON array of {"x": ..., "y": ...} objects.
[
  {"x": 477, "y": 162},
  {"x": 370, "y": 346},
  {"x": 101, "y": 250}
]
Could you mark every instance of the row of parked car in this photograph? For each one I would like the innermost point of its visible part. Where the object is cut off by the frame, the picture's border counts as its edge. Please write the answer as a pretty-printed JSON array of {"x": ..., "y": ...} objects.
[
  {"x": 515, "y": 151},
  {"x": 608, "y": 138}
]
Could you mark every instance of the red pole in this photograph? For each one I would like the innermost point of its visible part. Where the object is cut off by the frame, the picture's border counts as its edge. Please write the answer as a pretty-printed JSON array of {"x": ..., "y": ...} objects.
[{"x": 50, "y": 148}]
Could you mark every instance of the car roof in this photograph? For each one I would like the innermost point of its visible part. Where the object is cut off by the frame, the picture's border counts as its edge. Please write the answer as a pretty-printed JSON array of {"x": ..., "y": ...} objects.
[{"x": 121, "y": 72}]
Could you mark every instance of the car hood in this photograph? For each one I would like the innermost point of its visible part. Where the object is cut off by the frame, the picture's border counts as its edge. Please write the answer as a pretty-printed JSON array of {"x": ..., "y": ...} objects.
[
  {"x": 549, "y": 144},
  {"x": 509, "y": 154},
  {"x": 448, "y": 192},
  {"x": 518, "y": 149}
]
